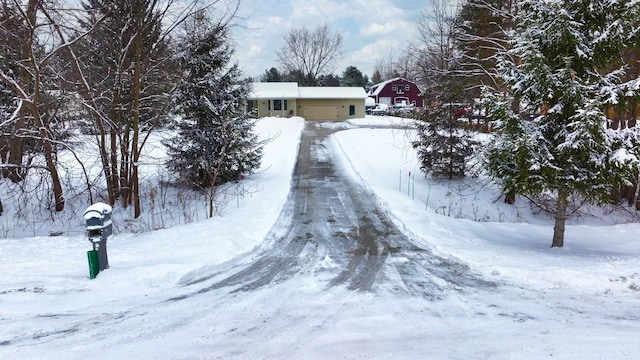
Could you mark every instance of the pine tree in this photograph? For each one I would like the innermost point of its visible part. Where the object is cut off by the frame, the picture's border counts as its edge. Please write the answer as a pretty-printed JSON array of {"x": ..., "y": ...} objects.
[
  {"x": 215, "y": 143},
  {"x": 443, "y": 146},
  {"x": 353, "y": 77},
  {"x": 271, "y": 75},
  {"x": 570, "y": 56},
  {"x": 376, "y": 78}
]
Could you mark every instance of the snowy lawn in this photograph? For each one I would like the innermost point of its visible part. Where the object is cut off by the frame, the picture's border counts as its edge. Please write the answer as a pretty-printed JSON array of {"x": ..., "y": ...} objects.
[{"x": 578, "y": 302}]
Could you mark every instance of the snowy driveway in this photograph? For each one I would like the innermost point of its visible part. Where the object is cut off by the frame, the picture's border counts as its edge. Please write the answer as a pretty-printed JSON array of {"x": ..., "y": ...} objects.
[
  {"x": 333, "y": 279},
  {"x": 332, "y": 227}
]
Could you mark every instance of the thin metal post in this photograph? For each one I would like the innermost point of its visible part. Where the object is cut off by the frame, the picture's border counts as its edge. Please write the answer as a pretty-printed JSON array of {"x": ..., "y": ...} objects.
[
  {"x": 413, "y": 191},
  {"x": 426, "y": 205}
]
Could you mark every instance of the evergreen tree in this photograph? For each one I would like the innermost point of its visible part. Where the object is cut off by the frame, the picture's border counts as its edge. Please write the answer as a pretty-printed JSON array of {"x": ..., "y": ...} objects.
[
  {"x": 443, "y": 146},
  {"x": 215, "y": 143},
  {"x": 570, "y": 55},
  {"x": 376, "y": 78},
  {"x": 328, "y": 80},
  {"x": 271, "y": 75},
  {"x": 353, "y": 77},
  {"x": 300, "y": 78}
]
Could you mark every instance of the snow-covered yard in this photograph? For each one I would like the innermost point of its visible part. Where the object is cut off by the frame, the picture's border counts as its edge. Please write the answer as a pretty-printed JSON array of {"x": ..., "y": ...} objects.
[{"x": 578, "y": 302}]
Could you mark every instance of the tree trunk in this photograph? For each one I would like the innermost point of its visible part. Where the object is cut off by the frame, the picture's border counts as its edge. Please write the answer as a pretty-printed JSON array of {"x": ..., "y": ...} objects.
[
  {"x": 45, "y": 136},
  {"x": 125, "y": 177},
  {"x": 137, "y": 88},
  {"x": 114, "y": 190},
  {"x": 212, "y": 197},
  {"x": 15, "y": 170},
  {"x": 636, "y": 196},
  {"x": 452, "y": 120},
  {"x": 561, "y": 217},
  {"x": 510, "y": 197},
  {"x": 115, "y": 115},
  {"x": 49, "y": 158}
]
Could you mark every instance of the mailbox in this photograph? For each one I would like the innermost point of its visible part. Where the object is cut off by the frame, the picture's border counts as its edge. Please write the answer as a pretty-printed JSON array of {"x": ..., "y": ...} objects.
[
  {"x": 98, "y": 219},
  {"x": 99, "y": 228}
]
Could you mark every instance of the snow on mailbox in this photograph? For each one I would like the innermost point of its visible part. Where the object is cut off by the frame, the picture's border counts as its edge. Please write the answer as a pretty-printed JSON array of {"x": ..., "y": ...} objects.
[{"x": 99, "y": 227}]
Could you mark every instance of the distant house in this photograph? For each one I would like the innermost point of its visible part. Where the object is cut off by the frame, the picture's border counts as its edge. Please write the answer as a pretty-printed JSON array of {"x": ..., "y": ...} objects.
[
  {"x": 287, "y": 99},
  {"x": 396, "y": 91}
]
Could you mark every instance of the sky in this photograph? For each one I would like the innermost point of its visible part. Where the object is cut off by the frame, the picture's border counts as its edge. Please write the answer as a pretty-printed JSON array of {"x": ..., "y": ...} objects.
[{"x": 371, "y": 29}]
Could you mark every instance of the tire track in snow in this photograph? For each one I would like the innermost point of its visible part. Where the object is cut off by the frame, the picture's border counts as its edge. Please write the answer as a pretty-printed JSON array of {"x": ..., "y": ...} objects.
[{"x": 332, "y": 216}]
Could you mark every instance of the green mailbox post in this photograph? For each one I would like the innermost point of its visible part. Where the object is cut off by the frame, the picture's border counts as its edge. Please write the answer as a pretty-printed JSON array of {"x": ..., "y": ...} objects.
[{"x": 99, "y": 228}]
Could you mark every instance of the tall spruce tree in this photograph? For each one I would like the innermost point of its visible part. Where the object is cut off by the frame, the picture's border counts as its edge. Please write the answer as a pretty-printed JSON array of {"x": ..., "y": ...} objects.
[
  {"x": 443, "y": 145},
  {"x": 570, "y": 70},
  {"x": 215, "y": 143}
]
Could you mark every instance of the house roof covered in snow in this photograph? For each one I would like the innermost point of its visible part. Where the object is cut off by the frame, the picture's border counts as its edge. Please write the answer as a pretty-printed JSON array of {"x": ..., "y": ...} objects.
[
  {"x": 291, "y": 90},
  {"x": 376, "y": 88},
  {"x": 274, "y": 90},
  {"x": 332, "y": 92}
]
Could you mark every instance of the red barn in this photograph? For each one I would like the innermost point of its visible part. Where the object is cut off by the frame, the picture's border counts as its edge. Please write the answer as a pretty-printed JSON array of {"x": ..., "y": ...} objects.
[{"x": 396, "y": 91}]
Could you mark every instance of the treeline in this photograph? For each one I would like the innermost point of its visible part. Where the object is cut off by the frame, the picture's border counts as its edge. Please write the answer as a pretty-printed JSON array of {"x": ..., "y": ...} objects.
[
  {"x": 115, "y": 70},
  {"x": 559, "y": 81},
  {"x": 351, "y": 77}
]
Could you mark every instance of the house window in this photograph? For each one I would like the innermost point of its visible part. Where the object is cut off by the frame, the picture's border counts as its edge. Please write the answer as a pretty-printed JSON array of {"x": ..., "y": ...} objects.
[
  {"x": 352, "y": 110},
  {"x": 277, "y": 104}
]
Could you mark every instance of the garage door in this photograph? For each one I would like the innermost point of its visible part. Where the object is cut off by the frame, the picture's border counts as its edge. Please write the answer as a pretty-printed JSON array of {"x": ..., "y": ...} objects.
[{"x": 321, "y": 112}]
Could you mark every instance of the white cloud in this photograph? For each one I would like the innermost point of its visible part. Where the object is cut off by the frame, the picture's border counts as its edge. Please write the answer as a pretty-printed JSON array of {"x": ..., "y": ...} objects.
[
  {"x": 380, "y": 29},
  {"x": 254, "y": 50},
  {"x": 389, "y": 23},
  {"x": 376, "y": 50},
  {"x": 274, "y": 21},
  {"x": 365, "y": 58}
]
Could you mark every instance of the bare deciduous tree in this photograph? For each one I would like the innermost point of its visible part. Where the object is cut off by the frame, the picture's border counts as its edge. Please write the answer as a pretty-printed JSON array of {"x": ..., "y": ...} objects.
[
  {"x": 310, "y": 53},
  {"x": 384, "y": 67},
  {"x": 481, "y": 34},
  {"x": 31, "y": 74},
  {"x": 435, "y": 52},
  {"x": 130, "y": 72}
]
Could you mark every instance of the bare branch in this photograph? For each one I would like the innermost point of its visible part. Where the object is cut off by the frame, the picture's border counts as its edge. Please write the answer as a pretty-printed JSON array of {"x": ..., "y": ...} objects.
[{"x": 310, "y": 53}]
